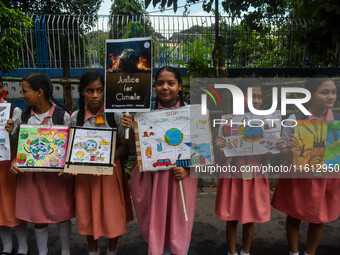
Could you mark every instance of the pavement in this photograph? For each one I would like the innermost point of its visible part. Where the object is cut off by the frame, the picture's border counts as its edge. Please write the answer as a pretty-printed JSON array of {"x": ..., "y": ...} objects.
[{"x": 208, "y": 235}]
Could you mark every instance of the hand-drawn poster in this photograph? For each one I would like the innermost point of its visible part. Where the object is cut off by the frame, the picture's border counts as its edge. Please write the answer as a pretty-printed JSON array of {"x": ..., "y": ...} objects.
[
  {"x": 128, "y": 75},
  {"x": 310, "y": 144},
  {"x": 5, "y": 148},
  {"x": 169, "y": 138},
  {"x": 4, "y": 113},
  {"x": 250, "y": 134},
  {"x": 91, "y": 151},
  {"x": 332, "y": 154},
  {"x": 42, "y": 147}
]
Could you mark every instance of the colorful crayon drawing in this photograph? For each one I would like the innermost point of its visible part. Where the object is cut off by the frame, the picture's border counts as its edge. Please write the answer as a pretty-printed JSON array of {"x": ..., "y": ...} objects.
[
  {"x": 91, "y": 146},
  {"x": 310, "y": 144},
  {"x": 258, "y": 138},
  {"x": 5, "y": 151},
  {"x": 176, "y": 137},
  {"x": 91, "y": 151},
  {"x": 332, "y": 154},
  {"x": 42, "y": 148}
]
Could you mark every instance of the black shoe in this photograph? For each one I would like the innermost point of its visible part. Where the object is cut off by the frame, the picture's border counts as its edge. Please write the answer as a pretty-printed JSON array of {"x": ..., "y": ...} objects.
[{"x": 6, "y": 253}]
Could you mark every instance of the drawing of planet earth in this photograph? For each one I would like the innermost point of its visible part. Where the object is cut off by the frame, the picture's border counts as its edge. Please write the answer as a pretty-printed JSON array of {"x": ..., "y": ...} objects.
[
  {"x": 90, "y": 145},
  {"x": 173, "y": 136},
  {"x": 129, "y": 60},
  {"x": 40, "y": 147}
]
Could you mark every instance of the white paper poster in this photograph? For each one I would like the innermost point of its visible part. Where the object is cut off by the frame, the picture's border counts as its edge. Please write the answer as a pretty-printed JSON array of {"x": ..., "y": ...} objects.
[
  {"x": 169, "y": 138},
  {"x": 91, "y": 146},
  {"x": 250, "y": 134},
  {"x": 4, "y": 113},
  {"x": 5, "y": 150},
  {"x": 91, "y": 151}
]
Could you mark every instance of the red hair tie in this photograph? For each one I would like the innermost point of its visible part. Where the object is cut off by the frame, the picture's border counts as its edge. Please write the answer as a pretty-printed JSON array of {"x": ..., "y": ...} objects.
[{"x": 4, "y": 94}]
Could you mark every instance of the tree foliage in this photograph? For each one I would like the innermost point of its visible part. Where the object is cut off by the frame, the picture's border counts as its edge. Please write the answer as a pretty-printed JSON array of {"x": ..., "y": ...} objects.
[
  {"x": 74, "y": 7},
  {"x": 321, "y": 31},
  {"x": 127, "y": 7},
  {"x": 11, "y": 41},
  {"x": 255, "y": 13},
  {"x": 136, "y": 24}
]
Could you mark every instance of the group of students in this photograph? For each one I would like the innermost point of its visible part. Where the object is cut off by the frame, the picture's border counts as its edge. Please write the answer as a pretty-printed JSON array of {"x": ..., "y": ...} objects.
[
  {"x": 102, "y": 205},
  {"x": 301, "y": 197}
]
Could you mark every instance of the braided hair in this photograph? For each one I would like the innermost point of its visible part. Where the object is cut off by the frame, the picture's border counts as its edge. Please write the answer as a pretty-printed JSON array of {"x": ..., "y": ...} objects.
[
  {"x": 87, "y": 78},
  {"x": 178, "y": 78},
  {"x": 40, "y": 81}
]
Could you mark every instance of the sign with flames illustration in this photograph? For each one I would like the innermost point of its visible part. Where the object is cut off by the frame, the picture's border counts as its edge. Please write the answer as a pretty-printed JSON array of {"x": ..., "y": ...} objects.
[
  {"x": 128, "y": 75},
  {"x": 91, "y": 151},
  {"x": 176, "y": 137},
  {"x": 250, "y": 134},
  {"x": 42, "y": 147}
]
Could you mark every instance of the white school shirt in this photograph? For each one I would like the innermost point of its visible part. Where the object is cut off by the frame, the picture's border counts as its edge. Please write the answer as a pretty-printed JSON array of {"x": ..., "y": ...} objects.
[{"x": 90, "y": 122}]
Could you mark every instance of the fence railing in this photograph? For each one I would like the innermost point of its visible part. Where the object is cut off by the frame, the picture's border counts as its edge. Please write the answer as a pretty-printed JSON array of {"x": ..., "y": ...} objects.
[{"x": 176, "y": 39}]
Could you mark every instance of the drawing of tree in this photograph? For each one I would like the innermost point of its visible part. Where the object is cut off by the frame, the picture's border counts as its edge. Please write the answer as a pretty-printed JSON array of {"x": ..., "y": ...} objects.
[
  {"x": 334, "y": 126},
  {"x": 317, "y": 140},
  {"x": 302, "y": 146}
]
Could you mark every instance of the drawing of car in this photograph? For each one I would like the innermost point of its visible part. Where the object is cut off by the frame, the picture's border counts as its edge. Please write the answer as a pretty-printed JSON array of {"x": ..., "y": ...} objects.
[{"x": 162, "y": 162}]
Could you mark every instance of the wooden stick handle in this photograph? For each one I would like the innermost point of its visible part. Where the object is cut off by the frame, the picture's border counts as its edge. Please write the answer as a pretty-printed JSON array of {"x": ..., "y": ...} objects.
[{"x": 183, "y": 201}]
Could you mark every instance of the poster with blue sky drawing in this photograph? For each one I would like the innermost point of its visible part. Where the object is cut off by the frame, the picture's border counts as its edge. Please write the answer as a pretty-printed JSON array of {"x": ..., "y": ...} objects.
[
  {"x": 332, "y": 154},
  {"x": 250, "y": 134},
  {"x": 173, "y": 137}
]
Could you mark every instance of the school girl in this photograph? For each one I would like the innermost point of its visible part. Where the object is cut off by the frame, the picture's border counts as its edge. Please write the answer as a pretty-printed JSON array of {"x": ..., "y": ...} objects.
[
  {"x": 314, "y": 200},
  {"x": 44, "y": 198},
  {"x": 240, "y": 198},
  {"x": 103, "y": 205},
  {"x": 8, "y": 183},
  {"x": 156, "y": 195}
]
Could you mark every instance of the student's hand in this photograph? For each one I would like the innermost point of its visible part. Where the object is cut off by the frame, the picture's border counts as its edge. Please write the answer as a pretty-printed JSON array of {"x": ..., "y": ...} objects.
[
  {"x": 9, "y": 126},
  {"x": 220, "y": 143},
  {"x": 292, "y": 142},
  {"x": 287, "y": 152},
  {"x": 180, "y": 173},
  {"x": 126, "y": 121},
  {"x": 279, "y": 145},
  {"x": 15, "y": 169}
]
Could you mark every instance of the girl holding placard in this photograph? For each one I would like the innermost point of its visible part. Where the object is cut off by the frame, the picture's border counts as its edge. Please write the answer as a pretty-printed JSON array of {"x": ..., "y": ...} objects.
[
  {"x": 314, "y": 200},
  {"x": 243, "y": 198},
  {"x": 44, "y": 198},
  {"x": 8, "y": 184},
  {"x": 103, "y": 205},
  {"x": 157, "y": 195}
]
